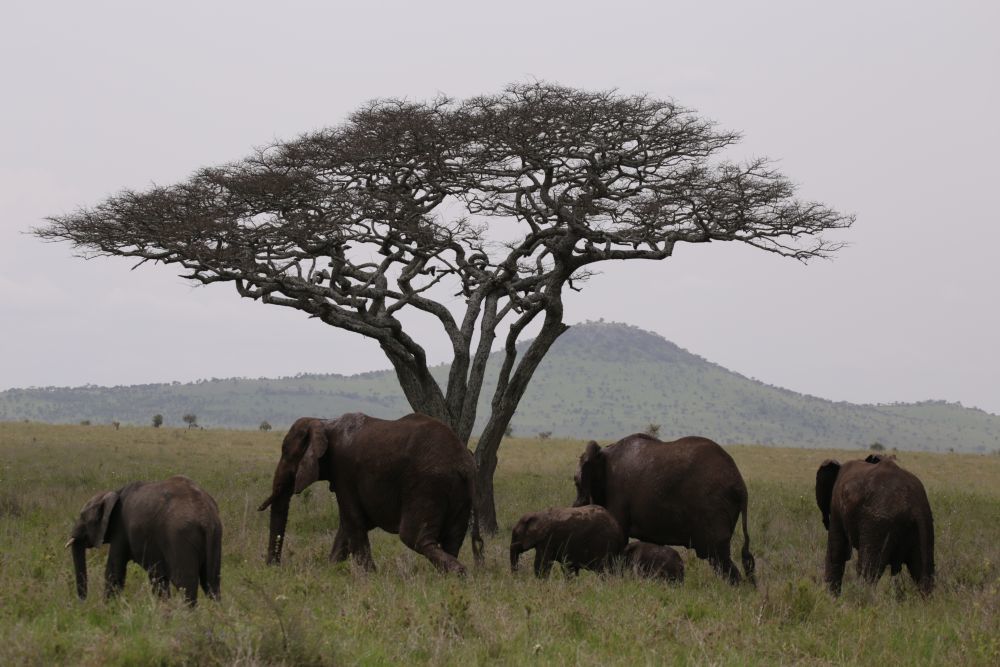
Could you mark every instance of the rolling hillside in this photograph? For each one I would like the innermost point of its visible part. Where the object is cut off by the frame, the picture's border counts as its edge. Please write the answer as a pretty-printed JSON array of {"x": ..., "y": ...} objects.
[{"x": 600, "y": 380}]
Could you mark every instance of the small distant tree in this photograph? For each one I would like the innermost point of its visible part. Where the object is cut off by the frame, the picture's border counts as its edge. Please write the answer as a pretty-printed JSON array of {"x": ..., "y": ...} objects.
[
  {"x": 85, "y": 422},
  {"x": 877, "y": 447},
  {"x": 264, "y": 426},
  {"x": 653, "y": 430},
  {"x": 115, "y": 425},
  {"x": 191, "y": 420},
  {"x": 545, "y": 435},
  {"x": 157, "y": 421},
  {"x": 509, "y": 431}
]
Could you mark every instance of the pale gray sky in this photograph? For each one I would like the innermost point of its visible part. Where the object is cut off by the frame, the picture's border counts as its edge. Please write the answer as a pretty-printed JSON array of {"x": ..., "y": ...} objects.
[{"x": 887, "y": 110}]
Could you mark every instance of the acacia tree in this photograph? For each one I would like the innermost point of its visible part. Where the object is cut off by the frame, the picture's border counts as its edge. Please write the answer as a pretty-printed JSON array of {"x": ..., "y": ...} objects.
[{"x": 501, "y": 201}]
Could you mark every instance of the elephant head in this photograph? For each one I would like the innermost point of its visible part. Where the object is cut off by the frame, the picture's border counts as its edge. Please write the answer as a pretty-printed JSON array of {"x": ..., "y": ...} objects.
[
  {"x": 826, "y": 477},
  {"x": 303, "y": 461},
  {"x": 90, "y": 531},
  {"x": 590, "y": 478},
  {"x": 524, "y": 537}
]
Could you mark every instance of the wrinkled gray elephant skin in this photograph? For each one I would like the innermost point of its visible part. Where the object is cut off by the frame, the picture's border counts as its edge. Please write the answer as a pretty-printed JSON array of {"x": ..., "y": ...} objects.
[
  {"x": 881, "y": 510},
  {"x": 170, "y": 528},
  {"x": 410, "y": 476},
  {"x": 578, "y": 537}
]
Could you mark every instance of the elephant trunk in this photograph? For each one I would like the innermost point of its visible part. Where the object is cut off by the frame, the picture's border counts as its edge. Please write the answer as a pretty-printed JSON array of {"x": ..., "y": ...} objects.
[
  {"x": 80, "y": 568},
  {"x": 515, "y": 555},
  {"x": 279, "y": 519}
]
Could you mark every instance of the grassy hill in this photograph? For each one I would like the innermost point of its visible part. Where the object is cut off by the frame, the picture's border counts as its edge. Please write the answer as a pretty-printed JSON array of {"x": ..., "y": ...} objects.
[
  {"x": 309, "y": 612},
  {"x": 600, "y": 380}
]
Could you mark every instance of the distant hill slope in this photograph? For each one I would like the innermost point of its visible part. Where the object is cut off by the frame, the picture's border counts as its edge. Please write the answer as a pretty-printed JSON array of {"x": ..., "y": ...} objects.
[{"x": 600, "y": 380}]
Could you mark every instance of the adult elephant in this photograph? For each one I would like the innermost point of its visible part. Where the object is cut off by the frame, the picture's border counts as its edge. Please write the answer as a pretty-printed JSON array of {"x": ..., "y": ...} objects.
[
  {"x": 170, "y": 528},
  {"x": 411, "y": 476},
  {"x": 688, "y": 493},
  {"x": 881, "y": 510}
]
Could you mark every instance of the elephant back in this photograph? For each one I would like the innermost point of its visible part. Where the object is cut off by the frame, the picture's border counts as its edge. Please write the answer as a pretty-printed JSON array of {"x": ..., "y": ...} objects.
[{"x": 686, "y": 492}]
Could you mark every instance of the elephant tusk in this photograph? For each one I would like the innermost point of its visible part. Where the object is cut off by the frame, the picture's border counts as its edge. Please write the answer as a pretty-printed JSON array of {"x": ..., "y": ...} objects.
[{"x": 71, "y": 541}]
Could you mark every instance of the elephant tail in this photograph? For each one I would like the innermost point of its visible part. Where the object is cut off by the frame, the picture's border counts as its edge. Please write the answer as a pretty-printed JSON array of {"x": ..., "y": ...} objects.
[
  {"x": 749, "y": 564},
  {"x": 477, "y": 537}
]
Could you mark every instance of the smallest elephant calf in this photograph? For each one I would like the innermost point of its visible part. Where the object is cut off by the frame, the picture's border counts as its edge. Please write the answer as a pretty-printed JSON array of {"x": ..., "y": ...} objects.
[
  {"x": 171, "y": 528},
  {"x": 653, "y": 560},
  {"x": 580, "y": 537}
]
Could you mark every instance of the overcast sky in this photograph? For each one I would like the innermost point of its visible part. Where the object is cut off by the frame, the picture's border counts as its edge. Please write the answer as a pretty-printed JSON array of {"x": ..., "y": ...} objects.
[{"x": 887, "y": 110}]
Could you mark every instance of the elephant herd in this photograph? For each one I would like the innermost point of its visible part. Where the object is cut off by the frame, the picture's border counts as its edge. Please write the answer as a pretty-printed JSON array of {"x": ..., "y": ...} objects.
[{"x": 414, "y": 477}]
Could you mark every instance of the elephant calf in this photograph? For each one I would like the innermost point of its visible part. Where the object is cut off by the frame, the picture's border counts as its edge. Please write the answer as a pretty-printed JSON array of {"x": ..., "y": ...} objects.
[
  {"x": 653, "y": 560},
  {"x": 170, "y": 528},
  {"x": 881, "y": 510},
  {"x": 580, "y": 537}
]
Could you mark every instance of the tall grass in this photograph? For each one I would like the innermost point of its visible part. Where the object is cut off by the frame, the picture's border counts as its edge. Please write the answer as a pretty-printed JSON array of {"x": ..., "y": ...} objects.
[{"x": 308, "y": 611}]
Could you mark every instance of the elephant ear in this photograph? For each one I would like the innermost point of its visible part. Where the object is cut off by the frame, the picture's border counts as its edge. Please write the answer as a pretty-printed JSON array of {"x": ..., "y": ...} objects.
[
  {"x": 96, "y": 517},
  {"x": 826, "y": 477},
  {"x": 522, "y": 531},
  {"x": 316, "y": 446},
  {"x": 592, "y": 473}
]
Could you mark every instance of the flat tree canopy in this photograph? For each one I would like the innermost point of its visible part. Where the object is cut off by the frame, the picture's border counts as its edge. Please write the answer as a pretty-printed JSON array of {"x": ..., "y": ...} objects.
[{"x": 478, "y": 213}]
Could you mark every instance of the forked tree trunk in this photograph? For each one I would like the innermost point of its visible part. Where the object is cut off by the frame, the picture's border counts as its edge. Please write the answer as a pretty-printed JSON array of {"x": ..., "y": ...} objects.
[
  {"x": 486, "y": 466},
  {"x": 504, "y": 404}
]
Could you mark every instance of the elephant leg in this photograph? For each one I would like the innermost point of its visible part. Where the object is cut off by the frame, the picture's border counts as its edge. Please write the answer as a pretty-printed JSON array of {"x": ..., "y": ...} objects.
[
  {"x": 723, "y": 564},
  {"x": 838, "y": 551},
  {"x": 114, "y": 571},
  {"x": 422, "y": 537},
  {"x": 543, "y": 562},
  {"x": 339, "y": 551},
  {"x": 159, "y": 579},
  {"x": 210, "y": 573},
  {"x": 189, "y": 585},
  {"x": 918, "y": 571},
  {"x": 423, "y": 525},
  {"x": 361, "y": 549},
  {"x": 873, "y": 552},
  {"x": 352, "y": 534},
  {"x": 184, "y": 575},
  {"x": 454, "y": 531}
]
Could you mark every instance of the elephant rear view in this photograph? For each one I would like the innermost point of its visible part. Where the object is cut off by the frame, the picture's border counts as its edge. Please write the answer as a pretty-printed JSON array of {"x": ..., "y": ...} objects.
[
  {"x": 410, "y": 476},
  {"x": 170, "y": 528},
  {"x": 687, "y": 493},
  {"x": 882, "y": 511}
]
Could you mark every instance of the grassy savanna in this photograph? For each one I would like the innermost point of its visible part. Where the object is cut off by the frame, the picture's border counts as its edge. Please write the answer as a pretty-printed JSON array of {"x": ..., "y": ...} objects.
[{"x": 308, "y": 611}]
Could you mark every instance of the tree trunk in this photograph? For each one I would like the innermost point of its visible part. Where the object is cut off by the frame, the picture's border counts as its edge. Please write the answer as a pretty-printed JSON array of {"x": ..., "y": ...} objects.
[
  {"x": 486, "y": 465},
  {"x": 504, "y": 406}
]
